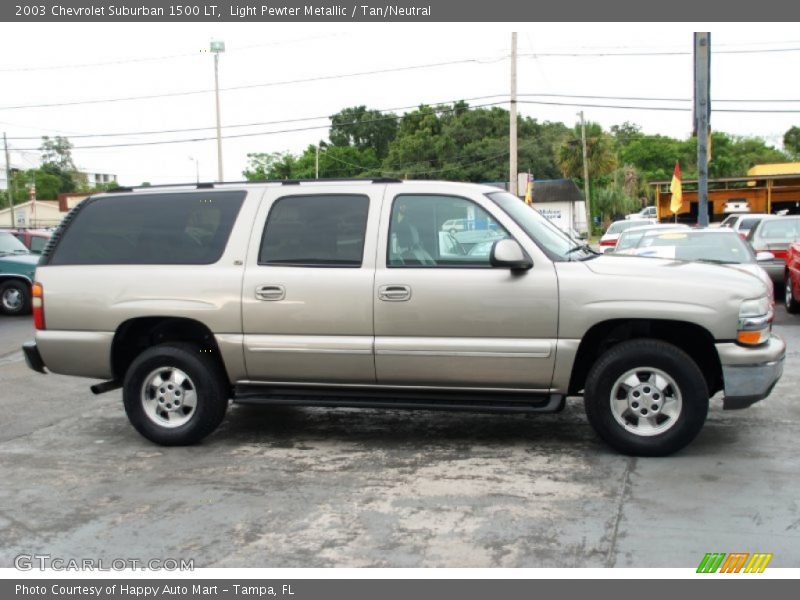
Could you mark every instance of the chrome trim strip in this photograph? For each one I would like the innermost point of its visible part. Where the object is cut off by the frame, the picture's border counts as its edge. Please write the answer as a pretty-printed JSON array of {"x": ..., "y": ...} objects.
[
  {"x": 464, "y": 353},
  {"x": 369, "y": 386},
  {"x": 309, "y": 350},
  {"x": 464, "y": 347}
]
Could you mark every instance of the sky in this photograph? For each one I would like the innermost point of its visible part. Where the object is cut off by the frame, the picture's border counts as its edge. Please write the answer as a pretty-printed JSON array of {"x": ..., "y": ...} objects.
[{"x": 47, "y": 64}]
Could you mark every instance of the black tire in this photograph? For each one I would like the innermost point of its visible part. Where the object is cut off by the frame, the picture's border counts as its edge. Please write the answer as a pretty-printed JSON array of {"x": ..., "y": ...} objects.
[
  {"x": 15, "y": 297},
  {"x": 205, "y": 378},
  {"x": 790, "y": 302},
  {"x": 640, "y": 355}
]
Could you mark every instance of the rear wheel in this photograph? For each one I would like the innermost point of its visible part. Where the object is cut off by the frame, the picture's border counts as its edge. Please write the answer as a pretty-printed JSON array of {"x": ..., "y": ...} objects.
[
  {"x": 15, "y": 297},
  {"x": 791, "y": 303},
  {"x": 646, "y": 398},
  {"x": 174, "y": 395}
]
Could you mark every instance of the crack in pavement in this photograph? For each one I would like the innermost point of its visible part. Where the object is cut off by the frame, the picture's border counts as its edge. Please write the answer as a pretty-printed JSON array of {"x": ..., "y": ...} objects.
[{"x": 624, "y": 492}]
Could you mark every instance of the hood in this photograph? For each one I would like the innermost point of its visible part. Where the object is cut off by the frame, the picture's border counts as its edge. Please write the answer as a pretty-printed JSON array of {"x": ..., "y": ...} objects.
[
  {"x": 20, "y": 261},
  {"x": 745, "y": 280}
]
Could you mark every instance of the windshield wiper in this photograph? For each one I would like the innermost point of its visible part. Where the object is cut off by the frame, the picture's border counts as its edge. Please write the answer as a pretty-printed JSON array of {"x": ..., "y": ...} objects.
[
  {"x": 717, "y": 261},
  {"x": 584, "y": 247}
]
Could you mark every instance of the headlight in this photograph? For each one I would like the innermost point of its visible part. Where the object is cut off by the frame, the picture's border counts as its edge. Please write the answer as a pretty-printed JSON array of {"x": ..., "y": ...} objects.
[{"x": 755, "y": 321}]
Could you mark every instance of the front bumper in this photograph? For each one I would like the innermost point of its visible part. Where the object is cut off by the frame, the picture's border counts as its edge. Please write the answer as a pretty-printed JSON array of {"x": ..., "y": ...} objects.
[
  {"x": 32, "y": 357},
  {"x": 750, "y": 373}
]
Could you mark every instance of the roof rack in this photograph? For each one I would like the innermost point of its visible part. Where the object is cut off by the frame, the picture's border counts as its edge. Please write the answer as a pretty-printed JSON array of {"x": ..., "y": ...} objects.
[{"x": 211, "y": 185}]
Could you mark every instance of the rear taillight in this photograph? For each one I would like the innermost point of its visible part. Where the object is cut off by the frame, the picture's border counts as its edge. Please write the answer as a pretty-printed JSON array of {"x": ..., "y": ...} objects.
[{"x": 38, "y": 305}]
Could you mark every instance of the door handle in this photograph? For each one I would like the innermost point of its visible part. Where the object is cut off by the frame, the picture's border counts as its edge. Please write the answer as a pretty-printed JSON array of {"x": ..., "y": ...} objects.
[
  {"x": 394, "y": 293},
  {"x": 271, "y": 292}
]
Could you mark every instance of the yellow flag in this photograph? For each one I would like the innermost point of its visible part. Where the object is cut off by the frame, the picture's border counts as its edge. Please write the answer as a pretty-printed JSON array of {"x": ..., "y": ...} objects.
[
  {"x": 529, "y": 190},
  {"x": 675, "y": 187}
]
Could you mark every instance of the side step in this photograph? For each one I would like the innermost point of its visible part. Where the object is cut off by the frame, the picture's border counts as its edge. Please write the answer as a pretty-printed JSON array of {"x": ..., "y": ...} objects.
[{"x": 399, "y": 399}]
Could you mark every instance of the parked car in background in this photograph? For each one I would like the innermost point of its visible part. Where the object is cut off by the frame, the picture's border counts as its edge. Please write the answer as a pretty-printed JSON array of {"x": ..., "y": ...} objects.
[
  {"x": 609, "y": 240},
  {"x": 736, "y": 205},
  {"x": 630, "y": 238},
  {"x": 34, "y": 239},
  {"x": 774, "y": 234},
  {"x": 17, "y": 265},
  {"x": 648, "y": 212},
  {"x": 792, "y": 278},
  {"x": 742, "y": 223},
  {"x": 718, "y": 246}
]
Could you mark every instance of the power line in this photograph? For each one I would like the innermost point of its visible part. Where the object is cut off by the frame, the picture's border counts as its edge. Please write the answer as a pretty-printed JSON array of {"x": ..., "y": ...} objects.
[
  {"x": 261, "y": 133},
  {"x": 258, "y": 124},
  {"x": 537, "y": 95},
  {"x": 663, "y": 108},
  {"x": 254, "y": 85},
  {"x": 123, "y": 61}
]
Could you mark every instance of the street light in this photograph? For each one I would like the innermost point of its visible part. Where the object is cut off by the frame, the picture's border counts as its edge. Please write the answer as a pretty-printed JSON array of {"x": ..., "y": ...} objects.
[
  {"x": 216, "y": 47},
  {"x": 196, "y": 168}
]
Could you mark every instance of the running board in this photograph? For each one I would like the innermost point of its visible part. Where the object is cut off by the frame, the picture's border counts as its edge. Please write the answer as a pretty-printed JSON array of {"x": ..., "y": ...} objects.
[{"x": 399, "y": 399}]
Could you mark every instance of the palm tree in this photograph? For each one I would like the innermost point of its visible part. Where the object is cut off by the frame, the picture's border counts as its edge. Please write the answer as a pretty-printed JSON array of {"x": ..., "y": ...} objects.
[{"x": 599, "y": 150}]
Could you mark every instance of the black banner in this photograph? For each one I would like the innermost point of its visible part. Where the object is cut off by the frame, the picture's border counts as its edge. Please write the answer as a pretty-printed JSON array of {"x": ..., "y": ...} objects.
[
  {"x": 395, "y": 11},
  {"x": 393, "y": 589}
]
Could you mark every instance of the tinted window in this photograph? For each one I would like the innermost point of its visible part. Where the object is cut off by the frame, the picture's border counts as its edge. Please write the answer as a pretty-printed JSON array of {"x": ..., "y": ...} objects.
[
  {"x": 148, "y": 229},
  {"x": 322, "y": 230},
  {"x": 440, "y": 231},
  {"x": 11, "y": 245},
  {"x": 38, "y": 243},
  {"x": 783, "y": 229}
]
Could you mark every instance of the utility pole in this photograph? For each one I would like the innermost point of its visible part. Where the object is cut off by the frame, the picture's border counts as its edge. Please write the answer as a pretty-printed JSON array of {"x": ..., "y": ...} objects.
[
  {"x": 217, "y": 47},
  {"x": 316, "y": 164},
  {"x": 702, "y": 108},
  {"x": 586, "y": 176},
  {"x": 8, "y": 183},
  {"x": 512, "y": 155}
]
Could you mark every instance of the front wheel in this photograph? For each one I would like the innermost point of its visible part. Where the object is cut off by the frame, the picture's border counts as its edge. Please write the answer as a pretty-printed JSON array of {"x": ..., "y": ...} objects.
[
  {"x": 174, "y": 395},
  {"x": 646, "y": 398}
]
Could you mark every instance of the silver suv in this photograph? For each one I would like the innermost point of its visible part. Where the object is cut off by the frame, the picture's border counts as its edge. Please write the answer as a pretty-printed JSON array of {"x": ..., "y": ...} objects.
[{"x": 357, "y": 293}]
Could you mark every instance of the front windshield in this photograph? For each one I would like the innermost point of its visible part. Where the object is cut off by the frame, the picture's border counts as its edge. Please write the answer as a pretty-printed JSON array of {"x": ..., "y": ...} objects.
[
  {"x": 721, "y": 246},
  {"x": 554, "y": 242},
  {"x": 11, "y": 245}
]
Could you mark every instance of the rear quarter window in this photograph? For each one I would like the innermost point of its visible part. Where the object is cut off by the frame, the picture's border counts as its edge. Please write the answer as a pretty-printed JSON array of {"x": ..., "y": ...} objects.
[{"x": 148, "y": 229}]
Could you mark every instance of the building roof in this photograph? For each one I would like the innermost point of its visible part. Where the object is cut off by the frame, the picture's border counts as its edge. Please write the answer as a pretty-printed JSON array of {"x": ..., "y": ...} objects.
[{"x": 790, "y": 168}]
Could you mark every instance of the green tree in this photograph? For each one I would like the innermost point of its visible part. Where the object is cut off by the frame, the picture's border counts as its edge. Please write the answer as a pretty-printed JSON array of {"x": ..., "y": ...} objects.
[
  {"x": 612, "y": 203},
  {"x": 47, "y": 185},
  {"x": 791, "y": 141},
  {"x": 57, "y": 161},
  {"x": 600, "y": 153},
  {"x": 357, "y": 126}
]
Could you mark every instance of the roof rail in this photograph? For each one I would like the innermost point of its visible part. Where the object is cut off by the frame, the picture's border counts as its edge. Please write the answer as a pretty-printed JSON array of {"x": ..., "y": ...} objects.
[{"x": 211, "y": 185}]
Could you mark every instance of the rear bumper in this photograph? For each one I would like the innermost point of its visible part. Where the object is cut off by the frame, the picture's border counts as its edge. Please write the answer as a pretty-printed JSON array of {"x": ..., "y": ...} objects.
[
  {"x": 32, "y": 357},
  {"x": 750, "y": 373}
]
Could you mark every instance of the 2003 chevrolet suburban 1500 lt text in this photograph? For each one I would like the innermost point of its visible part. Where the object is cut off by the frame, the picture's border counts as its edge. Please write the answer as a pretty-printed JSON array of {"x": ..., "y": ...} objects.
[{"x": 353, "y": 293}]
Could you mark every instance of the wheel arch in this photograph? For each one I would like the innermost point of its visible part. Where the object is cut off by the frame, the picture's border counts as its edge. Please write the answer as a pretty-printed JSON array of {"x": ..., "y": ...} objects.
[
  {"x": 135, "y": 335},
  {"x": 693, "y": 339}
]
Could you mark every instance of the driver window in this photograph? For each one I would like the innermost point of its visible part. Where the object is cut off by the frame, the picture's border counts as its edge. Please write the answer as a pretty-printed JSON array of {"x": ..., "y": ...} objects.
[{"x": 440, "y": 231}]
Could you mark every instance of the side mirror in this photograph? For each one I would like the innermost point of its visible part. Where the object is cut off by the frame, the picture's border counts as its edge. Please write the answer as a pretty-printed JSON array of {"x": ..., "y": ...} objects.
[
  {"x": 764, "y": 256},
  {"x": 509, "y": 254}
]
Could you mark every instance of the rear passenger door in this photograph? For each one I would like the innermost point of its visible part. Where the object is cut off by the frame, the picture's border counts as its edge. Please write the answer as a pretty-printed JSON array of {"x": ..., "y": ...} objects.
[{"x": 307, "y": 295}]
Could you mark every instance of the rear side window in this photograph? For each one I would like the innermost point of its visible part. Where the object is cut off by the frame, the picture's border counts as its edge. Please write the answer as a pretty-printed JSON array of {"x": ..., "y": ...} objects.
[
  {"x": 323, "y": 230},
  {"x": 150, "y": 229},
  {"x": 783, "y": 229}
]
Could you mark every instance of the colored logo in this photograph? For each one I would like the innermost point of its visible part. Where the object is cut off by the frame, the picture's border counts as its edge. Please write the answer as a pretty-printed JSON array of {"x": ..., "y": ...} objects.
[{"x": 736, "y": 562}]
